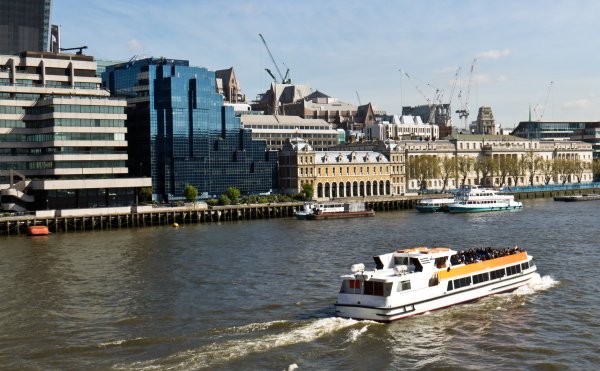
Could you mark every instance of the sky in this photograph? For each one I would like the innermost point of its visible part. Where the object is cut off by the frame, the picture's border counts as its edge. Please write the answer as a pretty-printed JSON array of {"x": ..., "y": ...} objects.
[{"x": 542, "y": 56}]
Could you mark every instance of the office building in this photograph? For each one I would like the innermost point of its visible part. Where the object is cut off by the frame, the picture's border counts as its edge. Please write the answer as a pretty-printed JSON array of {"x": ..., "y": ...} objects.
[
  {"x": 62, "y": 137},
  {"x": 401, "y": 127},
  {"x": 180, "y": 131},
  {"x": 276, "y": 130},
  {"x": 24, "y": 25}
]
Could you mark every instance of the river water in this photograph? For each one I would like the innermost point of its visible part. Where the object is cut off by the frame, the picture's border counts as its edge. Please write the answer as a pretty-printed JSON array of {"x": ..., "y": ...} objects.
[{"x": 260, "y": 294}]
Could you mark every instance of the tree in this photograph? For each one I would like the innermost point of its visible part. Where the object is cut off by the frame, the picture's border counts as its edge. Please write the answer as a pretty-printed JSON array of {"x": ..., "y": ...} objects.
[
  {"x": 562, "y": 169},
  {"x": 145, "y": 194},
  {"x": 578, "y": 167},
  {"x": 233, "y": 194},
  {"x": 532, "y": 164},
  {"x": 546, "y": 167},
  {"x": 423, "y": 168},
  {"x": 308, "y": 191},
  {"x": 486, "y": 166},
  {"x": 447, "y": 170},
  {"x": 505, "y": 164},
  {"x": 596, "y": 168},
  {"x": 190, "y": 193},
  {"x": 464, "y": 164},
  {"x": 224, "y": 200}
]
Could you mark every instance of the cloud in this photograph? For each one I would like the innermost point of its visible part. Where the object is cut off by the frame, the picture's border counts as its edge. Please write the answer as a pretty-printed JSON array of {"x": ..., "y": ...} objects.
[
  {"x": 135, "y": 45},
  {"x": 577, "y": 103},
  {"x": 502, "y": 78},
  {"x": 493, "y": 54}
]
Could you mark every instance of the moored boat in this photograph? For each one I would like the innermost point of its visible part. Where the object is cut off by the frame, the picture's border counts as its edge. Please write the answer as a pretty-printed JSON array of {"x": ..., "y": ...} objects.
[
  {"x": 576, "y": 198},
  {"x": 418, "y": 280},
  {"x": 38, "y": 230},
  {"x": 333, "y": 210},
  {"x": 472, "y": 199},
  {"x": 430, "y": 205}
]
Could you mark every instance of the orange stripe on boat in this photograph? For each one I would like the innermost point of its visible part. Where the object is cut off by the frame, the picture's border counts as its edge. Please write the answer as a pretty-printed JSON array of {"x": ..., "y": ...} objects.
[{"x": 482, "y": 266}]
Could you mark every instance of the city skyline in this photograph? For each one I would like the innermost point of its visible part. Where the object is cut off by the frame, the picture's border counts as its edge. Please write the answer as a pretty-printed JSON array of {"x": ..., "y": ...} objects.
[{"x": 353, "y": 50}]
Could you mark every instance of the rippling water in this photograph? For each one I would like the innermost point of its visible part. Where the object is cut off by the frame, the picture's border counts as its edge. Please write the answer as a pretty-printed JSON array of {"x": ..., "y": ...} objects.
[{"x": 259, "y": 295}]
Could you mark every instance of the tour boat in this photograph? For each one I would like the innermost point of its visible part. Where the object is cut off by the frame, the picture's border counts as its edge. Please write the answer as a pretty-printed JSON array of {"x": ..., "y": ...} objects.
[
  {"x": 418, "y": 280},
  {"x": 472, "y": 199},
  {"x": 332, "y": 210},
  {"x": 430, "y": 205}
]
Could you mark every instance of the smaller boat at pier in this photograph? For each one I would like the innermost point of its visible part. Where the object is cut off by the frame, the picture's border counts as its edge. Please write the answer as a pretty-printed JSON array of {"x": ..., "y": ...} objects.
[
  {"x": 37, "y": 230},
  {"x": 473, "y": 199},
  {"x": 431, "y": 205},
  {"x": 576, "y": 198},
  {"x": 333, "y": 210}
]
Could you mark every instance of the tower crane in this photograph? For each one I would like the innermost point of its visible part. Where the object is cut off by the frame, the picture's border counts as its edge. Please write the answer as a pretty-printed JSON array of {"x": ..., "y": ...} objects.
[
  {"x": 284, "y": 80},
  {"x": 431, "y": 103},
  {"x": 542, "y": 107},
  {"x": 464, "y": 112}
]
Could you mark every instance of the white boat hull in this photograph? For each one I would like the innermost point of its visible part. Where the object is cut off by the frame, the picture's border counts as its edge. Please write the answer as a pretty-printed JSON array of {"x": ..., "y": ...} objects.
[{"x": 439, "y": 298}]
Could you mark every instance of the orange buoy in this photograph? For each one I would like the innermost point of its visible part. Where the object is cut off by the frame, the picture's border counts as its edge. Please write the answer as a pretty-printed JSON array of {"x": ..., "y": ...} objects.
[{"x": 38, "y": 230}]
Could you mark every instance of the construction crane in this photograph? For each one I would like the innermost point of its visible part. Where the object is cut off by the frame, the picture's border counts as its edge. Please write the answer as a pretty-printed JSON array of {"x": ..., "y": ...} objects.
[
  {"x": 542, "y": 107},
  {"x": 431, "y": 103},
  {"x": 464, "y": 112},
  {"x": 284, "y": 80},
  {"x": 78, "y": 48}
]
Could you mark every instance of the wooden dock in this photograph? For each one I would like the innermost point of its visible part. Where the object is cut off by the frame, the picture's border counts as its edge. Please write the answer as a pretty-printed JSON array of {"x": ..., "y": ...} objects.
[{"x": 18, "y": 225}]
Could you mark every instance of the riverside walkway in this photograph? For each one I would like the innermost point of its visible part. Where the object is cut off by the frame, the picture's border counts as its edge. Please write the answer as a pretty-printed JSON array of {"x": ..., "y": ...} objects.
[{"x": 136, "y": 217}]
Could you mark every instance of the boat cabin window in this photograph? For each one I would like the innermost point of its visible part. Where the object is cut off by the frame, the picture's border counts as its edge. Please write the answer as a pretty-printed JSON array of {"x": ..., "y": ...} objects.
[
  {"x": 417, "y": 264},
  {"x": 403, "y": 286},
  {"x": 373, "y": 288},
  {"x": 513, "y": 270},
  {"x": 400, "y": 260},
  {"x": 498, "y": 273},
  {"x": 441, "y": 262},
  {"x": 449, "y": 288},
  {"x": 350, "y": 287},
  {"x": 524, "y": 265},
  {"x": 482, "y": 277},
  {"x": 462, "y": 282}
]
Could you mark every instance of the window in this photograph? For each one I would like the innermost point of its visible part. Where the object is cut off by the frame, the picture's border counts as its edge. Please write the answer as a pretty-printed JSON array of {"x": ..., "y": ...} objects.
[
  {"x": 449, "y": 288},
  {"x": 462, "y": 282},
  {"x": 524, "y": 265},
  {"x": 403, "y": 286},
  {"x": 499, "y": 273},
  {"x": 373, "y": 288}
]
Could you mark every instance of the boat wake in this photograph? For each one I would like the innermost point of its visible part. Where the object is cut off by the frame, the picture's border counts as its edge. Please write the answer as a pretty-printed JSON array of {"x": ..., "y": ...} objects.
[
  {"x": 537, "y": 283},
  {"x": 229, "y": 350}
]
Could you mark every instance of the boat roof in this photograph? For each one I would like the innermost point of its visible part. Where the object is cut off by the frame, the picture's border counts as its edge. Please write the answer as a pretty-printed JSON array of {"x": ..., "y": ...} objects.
[{"x": 416, "y": 251}]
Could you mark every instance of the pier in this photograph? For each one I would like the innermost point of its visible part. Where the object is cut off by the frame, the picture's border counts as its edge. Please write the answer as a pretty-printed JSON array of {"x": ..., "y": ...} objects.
[{"x": 146, "y": 216}]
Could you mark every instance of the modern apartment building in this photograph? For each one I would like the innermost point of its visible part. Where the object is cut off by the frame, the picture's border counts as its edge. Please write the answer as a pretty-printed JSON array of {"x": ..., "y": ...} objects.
[
  {"x": 62, "y": 137},
  {"x": 24, "y": 25},
  {"x": 180, "y": 131}
]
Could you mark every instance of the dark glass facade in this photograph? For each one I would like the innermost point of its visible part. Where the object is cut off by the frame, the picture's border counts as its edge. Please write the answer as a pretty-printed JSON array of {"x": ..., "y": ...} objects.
[
  {"x": 24, "y": 25},
  {"x": 180, "y": 133}
]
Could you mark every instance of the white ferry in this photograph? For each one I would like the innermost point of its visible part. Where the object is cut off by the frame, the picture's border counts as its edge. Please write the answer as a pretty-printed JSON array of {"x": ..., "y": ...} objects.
[
  {"x": 472, "y": 199},
  {"x": 332, "y": 210},
  {"x": 418, "y": 280},
  {"x": 431, "y": 205}
]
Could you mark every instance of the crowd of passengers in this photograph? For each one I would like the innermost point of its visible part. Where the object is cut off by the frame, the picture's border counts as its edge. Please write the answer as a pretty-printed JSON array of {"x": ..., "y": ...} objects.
[{"x": 481, "y": 254}]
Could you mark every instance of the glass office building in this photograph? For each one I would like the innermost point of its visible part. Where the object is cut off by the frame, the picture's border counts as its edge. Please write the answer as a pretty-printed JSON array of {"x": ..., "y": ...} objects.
[
  {"x": 180, "y": 132},
  {"x": 24, "y": 25}
]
